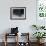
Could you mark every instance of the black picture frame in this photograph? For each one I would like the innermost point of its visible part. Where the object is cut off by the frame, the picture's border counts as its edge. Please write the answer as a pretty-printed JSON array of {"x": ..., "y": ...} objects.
[{"x": 18, "y": 13}]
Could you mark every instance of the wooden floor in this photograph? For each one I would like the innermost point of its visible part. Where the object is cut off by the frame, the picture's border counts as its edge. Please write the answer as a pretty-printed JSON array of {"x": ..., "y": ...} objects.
[{"x": 13, "y": 44}]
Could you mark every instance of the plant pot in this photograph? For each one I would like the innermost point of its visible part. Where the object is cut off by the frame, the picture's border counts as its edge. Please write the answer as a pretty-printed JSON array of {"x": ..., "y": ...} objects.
[{"x": 40, "y": 41}]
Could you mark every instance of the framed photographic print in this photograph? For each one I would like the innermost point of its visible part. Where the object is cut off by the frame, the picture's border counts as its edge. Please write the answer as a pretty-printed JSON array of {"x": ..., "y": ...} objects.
[{"x": 18, "y": 13}]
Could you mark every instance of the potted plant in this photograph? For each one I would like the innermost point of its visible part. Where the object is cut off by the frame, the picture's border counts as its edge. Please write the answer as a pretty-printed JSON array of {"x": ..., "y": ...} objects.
[
  {"x": 42, "y": 27},
  {"x": 38, "y": 27},
  {"x": 39, "y": 35},
  {"x": 35, "y": 26}
]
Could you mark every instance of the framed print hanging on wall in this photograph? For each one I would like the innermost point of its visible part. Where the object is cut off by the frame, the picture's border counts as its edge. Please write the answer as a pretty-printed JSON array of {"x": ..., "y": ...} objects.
[{"x": 18, "y": 13}]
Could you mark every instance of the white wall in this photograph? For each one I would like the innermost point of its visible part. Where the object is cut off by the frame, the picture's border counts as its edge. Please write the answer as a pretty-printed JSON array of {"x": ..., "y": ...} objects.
[{"x": 24, "y": 25}]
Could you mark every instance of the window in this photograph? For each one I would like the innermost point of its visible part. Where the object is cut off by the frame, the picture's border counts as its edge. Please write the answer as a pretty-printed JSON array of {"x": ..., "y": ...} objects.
[{"x": 41, "y": 8}]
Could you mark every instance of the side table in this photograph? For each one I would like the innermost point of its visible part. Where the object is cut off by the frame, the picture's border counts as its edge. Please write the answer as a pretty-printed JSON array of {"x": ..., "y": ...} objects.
[{"x": 8, "y": 34}]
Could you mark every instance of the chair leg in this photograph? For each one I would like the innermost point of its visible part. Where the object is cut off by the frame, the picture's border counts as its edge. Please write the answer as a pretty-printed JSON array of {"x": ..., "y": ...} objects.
[
  {"x": 5, "y": 39},
  {"x": 5, "y": 43}
]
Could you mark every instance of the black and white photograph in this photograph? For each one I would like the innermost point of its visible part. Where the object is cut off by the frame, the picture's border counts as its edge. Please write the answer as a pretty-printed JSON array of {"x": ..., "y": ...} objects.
[{"x": 18, "y": 13}]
